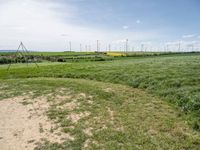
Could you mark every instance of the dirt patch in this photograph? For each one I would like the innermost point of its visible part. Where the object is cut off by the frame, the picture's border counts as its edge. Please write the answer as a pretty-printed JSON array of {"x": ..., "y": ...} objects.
[
  {"x": 90, "y": 99},
  {"x": 76, "y": 117},
  {"x": 62, "y": 91},
  {"x": 111, "y": 114},
  {"x": 59, "y": 99},
  {"x": 3, "y": 87},
  {"x": 86, "y": 97},
  {"x": 71, "y": 102},
  {"x": 82, "y": 95},
  {"x": 22, "y": 126},
  {"x": 109, "y": 90},
  {"x": 86, "y": 144},
  {"x": 88, "y": 131},
  {"x": 89, "y": 142},
  {"x": 70, "y": 105}
]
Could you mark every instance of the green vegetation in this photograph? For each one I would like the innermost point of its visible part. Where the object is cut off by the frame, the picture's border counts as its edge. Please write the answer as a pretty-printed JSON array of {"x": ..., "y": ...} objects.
[
  {"x": 11, "y": 57},
  {"x": 7, "y": 58},
  {"x": 61, "y": 53},
  {"x": 118, "y": 117},
  {"x": 154, "y": 116},
  {"x": 50, "y": 53}
]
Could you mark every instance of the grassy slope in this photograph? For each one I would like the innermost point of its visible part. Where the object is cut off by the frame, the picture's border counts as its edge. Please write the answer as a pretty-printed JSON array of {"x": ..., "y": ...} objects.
[
  {"x": 175, "y": 78},
  {"x": 138, "y": 120}
]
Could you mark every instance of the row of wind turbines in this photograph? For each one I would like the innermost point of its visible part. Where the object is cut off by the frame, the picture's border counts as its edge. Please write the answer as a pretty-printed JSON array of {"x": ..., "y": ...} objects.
[{"x": 125, "y": 47}]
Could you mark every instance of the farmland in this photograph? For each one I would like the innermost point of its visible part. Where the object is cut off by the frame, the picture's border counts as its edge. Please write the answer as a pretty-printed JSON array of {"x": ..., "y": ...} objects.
[{"x": 145, "y": 101}]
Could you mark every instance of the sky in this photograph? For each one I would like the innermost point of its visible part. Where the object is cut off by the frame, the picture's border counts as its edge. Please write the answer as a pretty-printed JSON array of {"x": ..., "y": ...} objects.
[{"x": 49, "y": 25}]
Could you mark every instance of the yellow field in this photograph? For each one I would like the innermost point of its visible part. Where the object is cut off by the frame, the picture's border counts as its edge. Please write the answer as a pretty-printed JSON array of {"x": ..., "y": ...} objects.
[{"x": 115, "y": 54}]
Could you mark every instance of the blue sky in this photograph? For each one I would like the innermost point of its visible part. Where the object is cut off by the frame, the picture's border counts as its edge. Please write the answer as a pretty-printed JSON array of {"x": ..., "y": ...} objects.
[
  {"x": 50, "y": 24},
  {"x": 174, "y": 18},
  {"x": 154, "y": 13}
]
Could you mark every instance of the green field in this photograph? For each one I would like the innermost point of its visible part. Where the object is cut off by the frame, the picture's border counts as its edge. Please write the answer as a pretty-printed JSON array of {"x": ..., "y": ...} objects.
[
  {"x": 51, "y": 53},
  {"x": 62, "y": 53},
  {"x": 129, "y": 102}
]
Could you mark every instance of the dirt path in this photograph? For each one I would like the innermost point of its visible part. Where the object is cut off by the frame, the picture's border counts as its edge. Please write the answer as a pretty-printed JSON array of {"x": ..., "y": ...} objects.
[{"x": 23, "y": 126}]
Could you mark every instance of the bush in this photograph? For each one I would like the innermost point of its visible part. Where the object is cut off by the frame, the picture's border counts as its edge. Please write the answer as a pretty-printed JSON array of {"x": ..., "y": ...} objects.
[{"x": 4, "y": 60}]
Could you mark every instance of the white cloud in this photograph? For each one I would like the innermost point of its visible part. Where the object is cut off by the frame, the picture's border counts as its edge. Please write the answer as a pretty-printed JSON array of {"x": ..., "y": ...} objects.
[
  {"x": 41, "y": 26},
  {"x": 125, "y": 27},
  {"x": 138, "y": 21},
  {"x": 188, "y": 36}
]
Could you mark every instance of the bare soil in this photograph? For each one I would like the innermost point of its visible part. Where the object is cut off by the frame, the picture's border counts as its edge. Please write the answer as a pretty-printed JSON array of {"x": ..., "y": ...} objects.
[{"x": 22, "y": 126}]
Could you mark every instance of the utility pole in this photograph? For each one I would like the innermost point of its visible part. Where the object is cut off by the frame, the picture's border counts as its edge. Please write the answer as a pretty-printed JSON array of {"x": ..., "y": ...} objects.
[
  {"x": 179, "y": 46},
  {"x": 80, "y": 47},
  {"x": 142, "y": 47},
  {"x": 126, "y": 45},
  {"x": 167, "y": 47},
  {"x": 70, "y": 46},
  {"x": 109, "y": 47},
  {"x": 133, "y": 49},
  {"x": 89, "y": 47},
  {"x": 192, "y": 47},
  {"x": 97, "y": 45},
  {"x": 150, "y": 49}
]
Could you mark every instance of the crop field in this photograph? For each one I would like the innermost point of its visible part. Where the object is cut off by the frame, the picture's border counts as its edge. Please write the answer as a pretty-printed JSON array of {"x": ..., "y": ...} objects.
[{"x": 125, "y": 102}]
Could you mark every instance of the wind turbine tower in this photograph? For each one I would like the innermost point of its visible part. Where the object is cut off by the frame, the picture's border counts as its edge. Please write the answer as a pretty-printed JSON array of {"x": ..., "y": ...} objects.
[
  {"x": 126, "y": 45},
  {"x": 109, "y": 47},
  {"x": 179, "y": 46},
  {"x": 70, "y": 46},
  {"x": 80, "y": 47},
  {"x": 97, "y": 45}
]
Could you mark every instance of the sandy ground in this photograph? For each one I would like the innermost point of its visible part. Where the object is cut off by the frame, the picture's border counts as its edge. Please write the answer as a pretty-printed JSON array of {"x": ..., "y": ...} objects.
[{"x": 23, "y": 126}]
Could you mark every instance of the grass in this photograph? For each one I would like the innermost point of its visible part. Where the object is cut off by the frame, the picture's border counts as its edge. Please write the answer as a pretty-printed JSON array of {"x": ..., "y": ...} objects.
[
  {"x": 120, "y": 117},
  {"x": 51, "y": 53},
  {"x": 156, "y": 115},
  {"x": 62, "y": 53},
  {"x": 173, "y": 78}
]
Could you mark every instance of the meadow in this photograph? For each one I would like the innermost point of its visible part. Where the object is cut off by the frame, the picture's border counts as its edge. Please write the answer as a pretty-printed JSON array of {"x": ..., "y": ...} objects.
[{"x": 126, "y": 103}]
